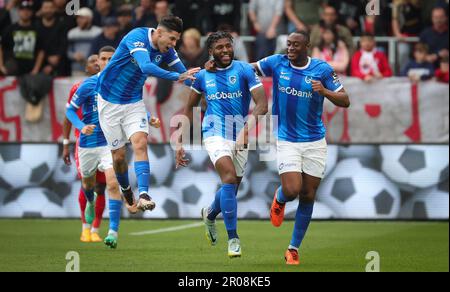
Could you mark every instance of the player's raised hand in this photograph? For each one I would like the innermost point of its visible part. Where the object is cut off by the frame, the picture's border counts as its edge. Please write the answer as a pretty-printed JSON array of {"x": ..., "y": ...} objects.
[
  {"x": 66, "y": 155},
  {"x": 180, "y": 158},
  {"x": 211, "y": 66},
  {"x": 155, "y": 123},
  {"x": 189, "y": 74},
  {"x": 88, "y": 129},
  {"x": 318, "y": 87}
]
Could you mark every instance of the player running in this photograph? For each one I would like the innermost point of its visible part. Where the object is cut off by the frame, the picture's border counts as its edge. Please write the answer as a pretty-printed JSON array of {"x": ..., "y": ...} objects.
[
  {"x": 88, "y": 233},
  {"x": 228, "y": 93},
  {"x": 121, "y": 109},
  {"x": 300, "y": 84}
]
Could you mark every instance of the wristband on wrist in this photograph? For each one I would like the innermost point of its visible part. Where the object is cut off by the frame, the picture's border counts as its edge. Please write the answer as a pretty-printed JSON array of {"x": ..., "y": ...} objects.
[{"x": 66, "y": 142}]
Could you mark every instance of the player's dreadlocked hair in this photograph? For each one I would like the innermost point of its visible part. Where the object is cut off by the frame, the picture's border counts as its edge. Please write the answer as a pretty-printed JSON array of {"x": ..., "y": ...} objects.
[
  {"x": 172, "y": 22},
  {"x": 214, "y": 37}
]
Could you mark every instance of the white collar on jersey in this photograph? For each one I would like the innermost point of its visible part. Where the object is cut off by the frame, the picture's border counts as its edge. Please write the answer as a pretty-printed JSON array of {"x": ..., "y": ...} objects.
[
  {"x": 304, "y": 67},
  {"x": 150, "y": 32},
  {"x": 223, "y": 69}
]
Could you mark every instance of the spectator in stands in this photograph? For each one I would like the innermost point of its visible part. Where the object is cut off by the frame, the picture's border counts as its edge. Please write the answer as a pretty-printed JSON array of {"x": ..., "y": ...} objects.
[
  {"x": 333, "y": 50},
  {"x": 368, "y": 63},
  {"x": 379, "y": 25},
  {"x": 265, "y": 16},
  {"x": 161, "y": 9},
  {"x": 80, "y": 39},
  {"x": 350, "y": 13},
  {"x": 125, "y": 20},
  {"x": 21, "y": 45},
  {"x": 225, "y": 12},
  {"x": 68, "y": 21},
  {"x": 406, "y": 22},
  {"x": 428, "y": 7},
  {"x": 24, "y": 57},
  {"x": 55, "y": 40},
  {"x": 302, "y": 14},
  {"x": 442, "y": 72},
  {"x": 103, "y": 9},
  {"x": 240, "y": 51},
  {"x": 109, "y": 36},
  {"x": 191, "y": 53},
  {"x": 194, "y": 13},
  {"x": 419, "y": 68},
  {"x": 144, "y": 14},
  {"x": 436, "y": 36},
  {"x": 5, "y": 19},
  {"x": 330, "y": 19}
]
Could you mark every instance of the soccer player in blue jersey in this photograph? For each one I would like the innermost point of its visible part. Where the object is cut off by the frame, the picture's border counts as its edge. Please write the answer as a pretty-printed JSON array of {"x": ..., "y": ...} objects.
[
  {"x": 300, "y": 85},
  {"x": 93, "y": 151},
  {"x": 228, "y": 93},
  {"x": 122, "y": 112}
]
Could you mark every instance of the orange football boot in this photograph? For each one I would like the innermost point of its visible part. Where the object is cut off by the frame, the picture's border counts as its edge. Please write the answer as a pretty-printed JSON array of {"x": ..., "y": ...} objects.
[
  {"x": 291, "y": 257},
  {"x": 277, "y": 212}
]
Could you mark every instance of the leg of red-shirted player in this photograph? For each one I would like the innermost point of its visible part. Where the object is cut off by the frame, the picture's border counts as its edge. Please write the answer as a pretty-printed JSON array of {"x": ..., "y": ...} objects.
[
  {"x": 86, "y": 228},
  {"x": 99, "y": 208}
]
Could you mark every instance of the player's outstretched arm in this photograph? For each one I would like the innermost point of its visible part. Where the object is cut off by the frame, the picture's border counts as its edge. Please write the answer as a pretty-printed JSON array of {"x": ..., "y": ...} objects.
[
  {"x": 194, "y": 99},
  {"x": 339, "y": 98}
]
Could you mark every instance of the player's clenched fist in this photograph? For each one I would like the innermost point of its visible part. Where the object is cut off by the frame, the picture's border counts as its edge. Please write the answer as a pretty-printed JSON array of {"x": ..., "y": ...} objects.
[
  {"x": 88, "y": 130},
  {"x": 155, "y": 123},
  {"x": 318, "y": 87},
  {"x": 180, "y": 158}
]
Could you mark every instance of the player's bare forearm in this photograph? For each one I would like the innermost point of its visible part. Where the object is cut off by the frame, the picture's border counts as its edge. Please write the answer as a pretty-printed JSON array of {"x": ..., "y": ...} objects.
[
  {"x": 339, "y": 98},
  {"x": 261, "y": 105},
  {"x": 67, "y": 127},
  {"x": 194, "y": 99},
  {"x": 261, "y": 108}
]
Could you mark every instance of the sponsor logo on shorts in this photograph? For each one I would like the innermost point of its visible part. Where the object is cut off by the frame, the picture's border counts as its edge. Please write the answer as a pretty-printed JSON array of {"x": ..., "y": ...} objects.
[
  {"x": 283, "y": 166},
  {"x": 158, "y": 58},
  {"x": 143, "y": 123},
  {"x": 115, "y": 143}
]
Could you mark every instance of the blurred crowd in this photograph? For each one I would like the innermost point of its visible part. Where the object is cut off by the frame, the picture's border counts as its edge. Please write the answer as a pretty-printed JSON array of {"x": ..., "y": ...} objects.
[{"x": 42, "y": 39}]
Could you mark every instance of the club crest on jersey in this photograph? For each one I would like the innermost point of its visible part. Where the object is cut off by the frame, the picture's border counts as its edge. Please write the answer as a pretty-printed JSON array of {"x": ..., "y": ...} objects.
[
  {"x": 308, "y": 79},
  {"x": 233, "y": 79},
  {"x": 158, "y": 58}
]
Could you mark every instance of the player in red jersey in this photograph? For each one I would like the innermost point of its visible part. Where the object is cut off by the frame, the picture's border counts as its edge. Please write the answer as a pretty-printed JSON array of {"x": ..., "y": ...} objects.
[{"x": 89, "y": 233}]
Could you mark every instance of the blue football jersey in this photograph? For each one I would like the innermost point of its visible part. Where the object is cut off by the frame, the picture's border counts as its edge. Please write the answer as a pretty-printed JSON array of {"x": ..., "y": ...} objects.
[
  {"x": 122, "y": 81},
  {"x": 86, "y": 99},
  {"x": 228, "y": 95},
  {"x": 298, "y": 108}
]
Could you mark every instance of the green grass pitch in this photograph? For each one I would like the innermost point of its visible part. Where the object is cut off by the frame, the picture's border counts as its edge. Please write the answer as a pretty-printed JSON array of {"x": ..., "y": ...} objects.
[{"x": 42, "y": 245}]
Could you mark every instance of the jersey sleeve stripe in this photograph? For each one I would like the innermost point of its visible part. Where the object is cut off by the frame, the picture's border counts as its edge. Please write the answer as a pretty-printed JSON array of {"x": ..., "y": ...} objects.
[
  {"x": 261, "y": 70},
  {"x": 174, "y": 62},
  {"x": 340, "y": 87},
  {"x": 138, "y": 49},
  {"x": 74, "y": 105},
  {"x": 195, "y": 90},
  {"x": 256, "y": 86}
]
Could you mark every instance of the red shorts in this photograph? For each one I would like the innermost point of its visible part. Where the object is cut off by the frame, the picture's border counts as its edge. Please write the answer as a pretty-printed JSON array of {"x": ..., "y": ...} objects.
[{"x": 100, "y": 177}]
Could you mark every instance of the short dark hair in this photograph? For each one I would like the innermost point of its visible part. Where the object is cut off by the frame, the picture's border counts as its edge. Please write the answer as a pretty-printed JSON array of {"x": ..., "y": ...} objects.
[
  {"x": 172, "y": 22},
  {"x": 305, "y": 34},
  {"x": 214, "y": 37},
  {"x": 107, "y": 49},
  {"x": 367, "y": 35}
]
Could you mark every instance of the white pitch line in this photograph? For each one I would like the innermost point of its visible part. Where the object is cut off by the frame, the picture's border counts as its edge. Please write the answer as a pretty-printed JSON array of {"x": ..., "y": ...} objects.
[{"x": 169, "y": 229}]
